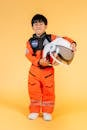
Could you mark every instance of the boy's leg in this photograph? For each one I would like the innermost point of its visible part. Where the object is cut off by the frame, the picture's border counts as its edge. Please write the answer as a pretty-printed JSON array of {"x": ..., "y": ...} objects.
[
  {"x": 34, "y": 94},
  {"x": 48, "y": 98}
]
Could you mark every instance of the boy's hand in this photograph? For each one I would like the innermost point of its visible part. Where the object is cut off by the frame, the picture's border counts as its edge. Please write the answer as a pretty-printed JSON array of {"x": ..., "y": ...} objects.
[
  {"x": 73, "y": 45},
  {"x": 44, "y": 62},
  {"x": 54, "y": 62}
]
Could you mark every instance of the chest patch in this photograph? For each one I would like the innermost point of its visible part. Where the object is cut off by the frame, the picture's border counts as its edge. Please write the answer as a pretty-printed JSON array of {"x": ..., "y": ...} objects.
[{"x": 34, "y": 43}]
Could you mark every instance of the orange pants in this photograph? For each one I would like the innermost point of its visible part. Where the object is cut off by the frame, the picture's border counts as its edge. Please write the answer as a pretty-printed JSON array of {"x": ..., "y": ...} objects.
[{"x": 41, "y": 89}]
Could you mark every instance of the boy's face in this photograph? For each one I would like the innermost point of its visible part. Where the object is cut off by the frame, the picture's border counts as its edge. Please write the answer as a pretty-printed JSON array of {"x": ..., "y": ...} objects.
[{"x": 39, "y": 28}]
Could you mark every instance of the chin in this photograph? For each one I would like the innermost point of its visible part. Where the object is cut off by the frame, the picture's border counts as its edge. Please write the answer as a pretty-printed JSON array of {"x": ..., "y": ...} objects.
[{"x": 39, "y": 33}]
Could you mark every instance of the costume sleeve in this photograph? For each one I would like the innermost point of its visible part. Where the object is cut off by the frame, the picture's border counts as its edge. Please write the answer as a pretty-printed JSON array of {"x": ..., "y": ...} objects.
[
  {"x": 53, "y": 37},
  {"x": 34, "y": 59}
]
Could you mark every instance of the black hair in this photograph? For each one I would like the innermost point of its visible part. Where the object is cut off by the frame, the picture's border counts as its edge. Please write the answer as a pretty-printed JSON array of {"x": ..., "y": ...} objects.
[{"x": 39, "y": 18}]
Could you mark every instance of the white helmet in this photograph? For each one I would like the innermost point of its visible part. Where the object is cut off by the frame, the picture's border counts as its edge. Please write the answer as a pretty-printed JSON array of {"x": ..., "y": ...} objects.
[{"x": 62, "y": 48}]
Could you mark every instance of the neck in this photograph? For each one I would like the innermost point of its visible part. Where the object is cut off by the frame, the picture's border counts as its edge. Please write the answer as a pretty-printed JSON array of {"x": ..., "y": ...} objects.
[{"x": 41, "y": 35}]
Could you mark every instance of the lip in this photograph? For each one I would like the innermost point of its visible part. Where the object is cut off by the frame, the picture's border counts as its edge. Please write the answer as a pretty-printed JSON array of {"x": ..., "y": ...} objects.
[{"x": 38, "y": 30}]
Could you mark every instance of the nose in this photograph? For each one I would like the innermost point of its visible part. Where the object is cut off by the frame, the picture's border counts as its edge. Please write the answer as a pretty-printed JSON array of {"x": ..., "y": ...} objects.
[{"x": 38, "y": 24}]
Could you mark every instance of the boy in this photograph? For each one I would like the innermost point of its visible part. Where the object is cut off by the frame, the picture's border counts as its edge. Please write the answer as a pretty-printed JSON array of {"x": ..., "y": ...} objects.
[{"x": 41, "y": 74}]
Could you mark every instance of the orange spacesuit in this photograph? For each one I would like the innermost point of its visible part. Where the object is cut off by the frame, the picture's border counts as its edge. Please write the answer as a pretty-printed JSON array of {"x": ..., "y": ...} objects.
[{"x": 41, "y": 79}]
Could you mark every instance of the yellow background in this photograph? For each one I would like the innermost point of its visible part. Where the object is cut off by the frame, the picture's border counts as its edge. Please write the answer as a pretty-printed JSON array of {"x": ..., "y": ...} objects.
[{"x": 65, "y": 18}]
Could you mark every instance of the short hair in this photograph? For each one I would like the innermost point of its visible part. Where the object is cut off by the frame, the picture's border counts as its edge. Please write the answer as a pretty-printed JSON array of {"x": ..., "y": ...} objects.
[{"x": 39, "y": 18}]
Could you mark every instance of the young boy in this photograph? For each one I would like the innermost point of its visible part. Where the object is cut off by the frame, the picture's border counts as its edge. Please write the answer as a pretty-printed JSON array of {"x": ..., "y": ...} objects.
[{"x": 41, "y": 74}]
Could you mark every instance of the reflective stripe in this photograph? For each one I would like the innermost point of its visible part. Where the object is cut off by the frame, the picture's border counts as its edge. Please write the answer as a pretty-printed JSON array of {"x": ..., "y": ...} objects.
[
  {"x": 36, "y": 102},
  {"x": 44, "y": 103},
  {"x": 48, "y": 103}
]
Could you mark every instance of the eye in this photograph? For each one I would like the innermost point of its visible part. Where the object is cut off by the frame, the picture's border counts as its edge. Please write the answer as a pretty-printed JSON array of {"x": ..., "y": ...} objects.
[
  {"x": 35, "y": 24},
  {"x": 41, "y": 23}
]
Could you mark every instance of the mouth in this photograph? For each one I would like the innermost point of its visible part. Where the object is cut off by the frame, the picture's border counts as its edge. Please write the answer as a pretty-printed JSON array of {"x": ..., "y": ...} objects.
[{"x": 38, "y": 29}]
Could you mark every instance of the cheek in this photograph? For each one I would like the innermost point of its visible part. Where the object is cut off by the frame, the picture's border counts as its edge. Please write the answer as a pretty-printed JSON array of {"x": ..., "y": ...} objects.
[
  {"x": 34, "y": 28},
  {"x": 43, "y": 28}
]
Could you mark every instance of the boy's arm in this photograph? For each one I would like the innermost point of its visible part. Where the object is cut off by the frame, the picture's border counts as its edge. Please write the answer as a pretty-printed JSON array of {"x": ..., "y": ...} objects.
[{"x": 30, "y": 55}]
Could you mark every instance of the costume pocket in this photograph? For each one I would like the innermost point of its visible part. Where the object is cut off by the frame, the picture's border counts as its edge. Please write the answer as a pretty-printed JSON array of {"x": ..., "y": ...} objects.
[
  {"x": 49, "y": 80},
  {"x": 47, "y": 76},
  {"x": 31, "y": 79}
]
